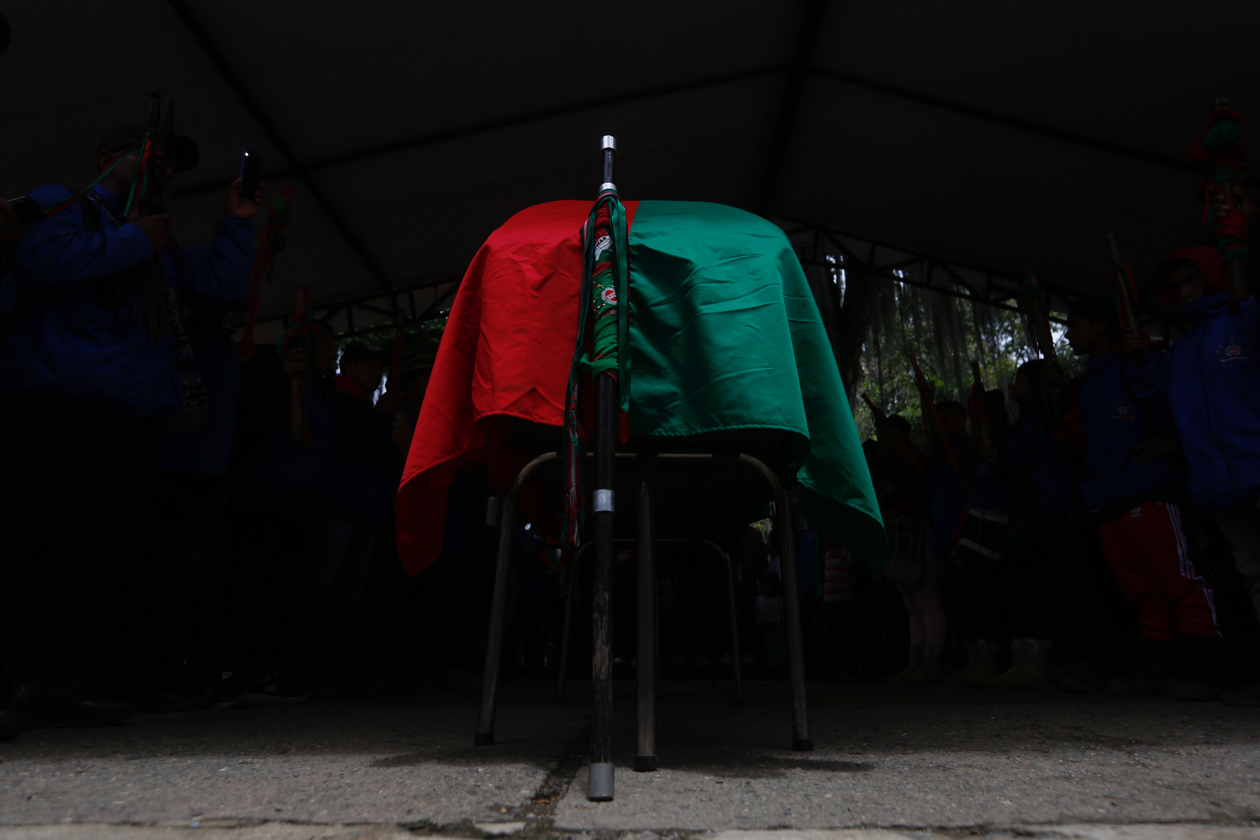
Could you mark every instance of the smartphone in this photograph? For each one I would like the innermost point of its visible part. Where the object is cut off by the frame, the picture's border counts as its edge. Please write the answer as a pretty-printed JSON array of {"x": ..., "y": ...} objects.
[
  {"x": 251, "y": 173},
  {"x": 28, "y": 212}
]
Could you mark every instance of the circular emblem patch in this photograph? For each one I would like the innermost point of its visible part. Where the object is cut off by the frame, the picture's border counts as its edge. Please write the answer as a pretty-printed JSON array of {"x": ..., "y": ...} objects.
[
  {"x": 1233, "y": 350},
  {"x": 609, "y": 295},
  {"x": 1122, "y": 410}
]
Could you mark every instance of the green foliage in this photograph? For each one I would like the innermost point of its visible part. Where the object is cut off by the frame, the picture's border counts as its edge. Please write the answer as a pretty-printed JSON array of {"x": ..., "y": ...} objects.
[
  {"x": 420, "y": 338},
  {"x": 945, "y": 333}
]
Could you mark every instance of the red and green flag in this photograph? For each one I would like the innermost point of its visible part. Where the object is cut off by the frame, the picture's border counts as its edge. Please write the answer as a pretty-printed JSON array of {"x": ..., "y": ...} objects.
[{"x": 724, "y": 334}]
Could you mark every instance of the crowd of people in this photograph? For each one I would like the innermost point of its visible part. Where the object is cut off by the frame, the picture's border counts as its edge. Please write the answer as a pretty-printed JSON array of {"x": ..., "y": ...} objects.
[
  {"x": 187, "y": 525},
  {"x": 182, "y": 523},
  {"x": 1088, "y": 544}
]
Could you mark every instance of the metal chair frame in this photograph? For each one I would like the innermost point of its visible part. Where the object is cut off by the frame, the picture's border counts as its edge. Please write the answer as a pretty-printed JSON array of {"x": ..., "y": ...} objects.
[
  {"x": 600, "y": 785},
  {"x": 723, "y": 559}
]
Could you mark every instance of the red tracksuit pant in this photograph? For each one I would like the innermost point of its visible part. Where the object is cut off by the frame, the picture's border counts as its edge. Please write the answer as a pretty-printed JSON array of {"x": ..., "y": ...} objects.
[{"x": 1146, "y": 550}]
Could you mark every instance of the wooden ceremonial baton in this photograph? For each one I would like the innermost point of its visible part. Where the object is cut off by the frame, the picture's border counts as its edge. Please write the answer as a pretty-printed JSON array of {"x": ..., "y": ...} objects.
[
  {"x": 1236, "y": 280},
  {"x": 881, "y": 422},
  {"x": 1124, "y": 296},
  {"x": 929, "y": 408}
]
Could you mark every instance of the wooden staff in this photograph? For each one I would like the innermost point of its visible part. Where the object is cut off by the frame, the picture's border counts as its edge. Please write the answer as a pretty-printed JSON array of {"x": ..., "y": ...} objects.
[
  {"x": 395, "y": 367},
  {"x": 980, "y": 408},
  {"x": 930, "y": 412},
  {"x": 1122, "y": 282},
  {"x": 881, "y": 422},
  {"x": 1040, "y": 337},
  {"x": 1236, "y": 279},
  {"x": 297, "y": 389},
  {"x": 1038, "y": 316}
]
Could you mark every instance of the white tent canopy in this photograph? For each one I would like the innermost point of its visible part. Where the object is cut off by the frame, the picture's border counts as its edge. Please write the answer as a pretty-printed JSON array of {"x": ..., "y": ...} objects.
[{"x": 996, "y": 134}]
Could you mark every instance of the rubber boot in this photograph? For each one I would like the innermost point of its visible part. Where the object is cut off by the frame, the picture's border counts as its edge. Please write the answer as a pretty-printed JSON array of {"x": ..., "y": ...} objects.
[
  {"x": 1199, "y": 677},
  {"x": 986, "y": 664},
  {"x": 930, "y": 670},
  {"x": 1036, "y": 668},
  {"x": 1019, "y": 655},
  {"x": 10, "y": 719},
  {"x": 1246, "y": 696},
  {"x": 1154, "y": 674},
  {"x": 1083, "y": 677},
  {"x": 916, "y": 659},
  {"x": 963, "y": 676}
]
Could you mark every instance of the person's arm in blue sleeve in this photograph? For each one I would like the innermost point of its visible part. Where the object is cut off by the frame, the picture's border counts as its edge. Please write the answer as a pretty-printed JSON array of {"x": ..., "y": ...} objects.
[
  {"x": 1147, "y": 371},
  {"x": 221, "y": 271},
  {"x": 58, "y": 251}
]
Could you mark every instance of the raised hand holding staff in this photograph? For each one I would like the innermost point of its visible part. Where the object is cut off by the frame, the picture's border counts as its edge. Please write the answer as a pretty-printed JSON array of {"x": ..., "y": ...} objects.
[{"x": 931, "y": 417}]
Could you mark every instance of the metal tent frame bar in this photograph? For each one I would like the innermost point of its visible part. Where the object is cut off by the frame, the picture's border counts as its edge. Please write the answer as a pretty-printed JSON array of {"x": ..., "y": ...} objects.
[
  {"x": 369, "y": 313},
  {"x": 797, "y": 71},
  {"x": 814, "y": 243}
]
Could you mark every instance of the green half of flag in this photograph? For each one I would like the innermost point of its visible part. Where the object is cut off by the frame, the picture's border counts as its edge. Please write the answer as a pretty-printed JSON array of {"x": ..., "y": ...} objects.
[{"x": 724, "y": 337}]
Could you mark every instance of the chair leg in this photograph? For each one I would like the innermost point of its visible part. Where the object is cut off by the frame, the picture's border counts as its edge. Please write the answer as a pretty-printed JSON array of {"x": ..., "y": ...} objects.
[
  {"x": 737, "y": 667},
  {"x": 600, "y": 781},
  {"x": 498, "y": 615},
  {"x": 796, "y": 657},
  {"x": 498, "y": 607},
  {"x": 568, "y": 625},
  {"x": 645, "y": 756}
]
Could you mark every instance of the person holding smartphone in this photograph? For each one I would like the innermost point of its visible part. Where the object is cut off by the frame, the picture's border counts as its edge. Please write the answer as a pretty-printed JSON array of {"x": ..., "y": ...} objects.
[{"x": 91, "y": 368}]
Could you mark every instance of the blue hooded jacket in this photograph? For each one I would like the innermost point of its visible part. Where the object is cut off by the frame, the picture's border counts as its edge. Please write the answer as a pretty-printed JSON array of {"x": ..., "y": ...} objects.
[
  {"x": 1115, "y": 422},
  {"x": 208, "y": 449},
  {"x": 1042, "y": 464},
  {"x": 990, "y": 490},
  {"x": 68, "y": 339},
  {"x": 1210, "y": 379}
]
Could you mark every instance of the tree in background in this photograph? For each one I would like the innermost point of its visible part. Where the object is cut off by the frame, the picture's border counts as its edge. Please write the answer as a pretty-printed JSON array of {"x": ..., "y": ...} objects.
[{"x": 874, "y": 321}]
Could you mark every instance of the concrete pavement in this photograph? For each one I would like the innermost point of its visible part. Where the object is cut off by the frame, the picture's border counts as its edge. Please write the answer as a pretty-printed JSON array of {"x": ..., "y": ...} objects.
[{"x": 915, "y": 762}]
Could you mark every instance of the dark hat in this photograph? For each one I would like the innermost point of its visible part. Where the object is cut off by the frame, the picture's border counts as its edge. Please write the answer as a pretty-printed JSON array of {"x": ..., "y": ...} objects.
[{"x": 184, "y": 154}]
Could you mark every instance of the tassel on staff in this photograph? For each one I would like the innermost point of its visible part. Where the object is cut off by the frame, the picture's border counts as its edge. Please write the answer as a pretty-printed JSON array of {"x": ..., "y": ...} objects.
[
  {"x": 271, "y": 242},
  {"x": 1222, "y": 152},
  {"x": 1123, "y": 290}
]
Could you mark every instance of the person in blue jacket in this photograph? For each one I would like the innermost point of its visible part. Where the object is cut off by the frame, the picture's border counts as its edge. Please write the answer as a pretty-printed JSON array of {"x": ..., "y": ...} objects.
[
  {"x": 949, "y": 497},
  {"x": 92, "y": 368},
  {"x": 1210, "y": 381},
  {"x": 366, "y": 480},
  {"x": 284, "y": 492},
  {"x": 983, "y": 625},
  {"x": 1052, "y": 557},
  {"x": 1131, "y": 483}
]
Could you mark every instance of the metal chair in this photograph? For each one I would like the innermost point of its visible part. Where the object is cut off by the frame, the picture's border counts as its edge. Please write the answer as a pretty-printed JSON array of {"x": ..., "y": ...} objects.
[{"x": 600, "y": 786}]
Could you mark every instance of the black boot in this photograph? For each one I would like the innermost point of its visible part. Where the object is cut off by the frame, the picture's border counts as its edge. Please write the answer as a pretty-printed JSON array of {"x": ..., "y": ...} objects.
[
  {"x": 1199, "y": 671},
  {"x": 60, "y": 695},
  {"x": 1153, "y": 676},
  {"x": 10, "y": 718}
]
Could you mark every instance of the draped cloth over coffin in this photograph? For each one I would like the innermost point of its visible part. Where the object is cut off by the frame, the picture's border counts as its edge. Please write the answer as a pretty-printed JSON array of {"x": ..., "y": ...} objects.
[{"x": 725, "y": 336}]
